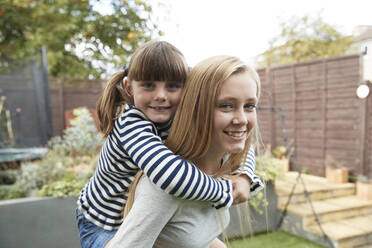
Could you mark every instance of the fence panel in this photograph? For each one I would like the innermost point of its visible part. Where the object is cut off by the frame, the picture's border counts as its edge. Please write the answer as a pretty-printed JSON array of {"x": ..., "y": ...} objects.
[
  {"x": 323, "y": 114},
  {"x": 67, "y": 95}
]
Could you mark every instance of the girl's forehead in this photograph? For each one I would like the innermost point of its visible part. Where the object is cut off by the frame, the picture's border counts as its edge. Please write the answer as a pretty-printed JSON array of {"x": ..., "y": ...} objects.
[{"x": 240, "y": 85}]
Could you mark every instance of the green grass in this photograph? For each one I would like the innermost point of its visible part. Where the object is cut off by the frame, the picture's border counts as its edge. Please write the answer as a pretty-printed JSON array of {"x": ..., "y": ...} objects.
[{"x": 273, "y": 240}]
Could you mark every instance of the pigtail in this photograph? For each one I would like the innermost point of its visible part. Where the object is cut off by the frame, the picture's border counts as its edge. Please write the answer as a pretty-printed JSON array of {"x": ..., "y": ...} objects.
[{"x": 112, "y": 97}]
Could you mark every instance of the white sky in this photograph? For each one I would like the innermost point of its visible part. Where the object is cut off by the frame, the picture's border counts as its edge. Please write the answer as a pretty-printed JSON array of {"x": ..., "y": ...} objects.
[{"x": 203, "y": 28}]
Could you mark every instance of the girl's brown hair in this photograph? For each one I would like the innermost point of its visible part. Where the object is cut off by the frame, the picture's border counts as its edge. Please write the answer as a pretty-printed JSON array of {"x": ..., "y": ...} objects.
[
  {"x": 192, "y": 127},
  {"x": 154, "y": 61}
]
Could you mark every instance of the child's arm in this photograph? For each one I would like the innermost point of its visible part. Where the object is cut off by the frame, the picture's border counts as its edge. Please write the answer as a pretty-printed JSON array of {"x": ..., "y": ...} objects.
[
  {"x": 168, "y": 171},
  {"x": 247, "y": 172}
]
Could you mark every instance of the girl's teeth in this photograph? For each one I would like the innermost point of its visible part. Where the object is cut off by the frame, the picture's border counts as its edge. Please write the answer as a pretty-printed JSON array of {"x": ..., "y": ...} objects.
[{"x": 235, "y": 134}]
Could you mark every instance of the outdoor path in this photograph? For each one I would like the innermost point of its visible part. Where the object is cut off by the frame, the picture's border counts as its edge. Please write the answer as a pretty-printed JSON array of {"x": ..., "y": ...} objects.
[{"x": 345, "y": 219}]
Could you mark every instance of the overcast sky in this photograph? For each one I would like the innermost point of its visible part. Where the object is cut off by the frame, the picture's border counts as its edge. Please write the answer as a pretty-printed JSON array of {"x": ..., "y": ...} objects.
[{"x": 202, "y": 28}]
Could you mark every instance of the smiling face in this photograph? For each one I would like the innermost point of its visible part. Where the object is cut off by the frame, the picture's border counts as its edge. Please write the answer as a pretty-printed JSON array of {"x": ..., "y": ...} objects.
[
  {"x": 157, "y": 100},
  {"x": 234, "y": 114}
]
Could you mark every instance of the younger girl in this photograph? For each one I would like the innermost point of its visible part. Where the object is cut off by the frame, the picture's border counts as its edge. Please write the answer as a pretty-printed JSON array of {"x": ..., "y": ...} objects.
[{"x": 157, "y": 72}]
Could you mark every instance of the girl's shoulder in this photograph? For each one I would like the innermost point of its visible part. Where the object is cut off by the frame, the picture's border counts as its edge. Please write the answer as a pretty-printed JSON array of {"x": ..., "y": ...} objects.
[{"x": 131, "y": 118}]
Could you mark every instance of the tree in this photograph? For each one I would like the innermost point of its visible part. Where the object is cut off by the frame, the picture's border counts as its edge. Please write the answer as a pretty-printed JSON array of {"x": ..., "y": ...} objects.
[
  {"x": 303, "y": 39},
  {"x": 80, "y": 40}
]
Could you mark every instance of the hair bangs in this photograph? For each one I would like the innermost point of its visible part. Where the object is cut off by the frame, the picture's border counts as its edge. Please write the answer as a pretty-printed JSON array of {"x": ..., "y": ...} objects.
[{"x": 159, "y": 61}]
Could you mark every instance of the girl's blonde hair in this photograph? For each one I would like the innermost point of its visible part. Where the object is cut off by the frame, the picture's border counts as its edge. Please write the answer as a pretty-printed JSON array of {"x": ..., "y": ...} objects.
[
  {"x": 192, "y": 127},
  {"x": 191, "y": 131},
  {"x": 154, "y": 61}
]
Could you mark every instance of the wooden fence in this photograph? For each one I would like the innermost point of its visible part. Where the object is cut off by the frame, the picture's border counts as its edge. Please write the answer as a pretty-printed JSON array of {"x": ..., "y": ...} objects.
[
  {"x": 323, "y": 115},
  {"x": 67, "y": 95}
]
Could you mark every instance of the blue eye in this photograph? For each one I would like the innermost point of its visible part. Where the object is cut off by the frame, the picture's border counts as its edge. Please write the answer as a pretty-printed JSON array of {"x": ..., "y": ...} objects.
[
  {"x": 225, "y": 106},
  {"x": 250, "y": 106},
  {"x": 173, "y": 85},
  {"x": 148, "y": 85}
]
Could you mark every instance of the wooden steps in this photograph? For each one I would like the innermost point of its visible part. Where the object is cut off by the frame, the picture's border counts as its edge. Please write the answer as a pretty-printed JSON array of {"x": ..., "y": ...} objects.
[{"x": 345, "y": 218}]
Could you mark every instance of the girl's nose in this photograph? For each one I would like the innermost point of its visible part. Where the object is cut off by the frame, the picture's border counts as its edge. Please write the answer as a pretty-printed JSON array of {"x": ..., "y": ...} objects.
[
  {"x": 160, "y": 94},
  {"x": 240, "y": 118}
]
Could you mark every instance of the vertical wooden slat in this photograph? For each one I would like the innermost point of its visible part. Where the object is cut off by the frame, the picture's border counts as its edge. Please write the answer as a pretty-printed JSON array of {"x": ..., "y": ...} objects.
[
  {"x": 61, "y": 103},
  {"x": 363, "y": 124},
  {"x": 294, "y": 102},
  {"x": 270, "y": 80},
  {"x": 324, "y": 89},
  {"x": 368, "y": 135}
]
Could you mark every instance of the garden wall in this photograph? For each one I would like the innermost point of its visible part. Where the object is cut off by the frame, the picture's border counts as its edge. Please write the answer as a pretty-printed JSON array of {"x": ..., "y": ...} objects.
[
  {"x": 323, "y": 114},
  {"x": 38, "y": 222},
  {"x": 50, "y": 222}
]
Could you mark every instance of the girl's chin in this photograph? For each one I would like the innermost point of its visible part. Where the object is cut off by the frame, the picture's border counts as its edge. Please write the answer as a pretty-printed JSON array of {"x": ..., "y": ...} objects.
[{"x": 235, "y": 150}]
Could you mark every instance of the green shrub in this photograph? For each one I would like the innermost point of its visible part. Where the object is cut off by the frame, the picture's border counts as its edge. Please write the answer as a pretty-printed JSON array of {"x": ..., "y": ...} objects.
[
  {"x": 268, "y": 169},
  {"x": 63, "y": 170},
  {"x": 82, "y": 138},
  {"x": 70, "y": 185},
  {"x": 11, "y": 191}
]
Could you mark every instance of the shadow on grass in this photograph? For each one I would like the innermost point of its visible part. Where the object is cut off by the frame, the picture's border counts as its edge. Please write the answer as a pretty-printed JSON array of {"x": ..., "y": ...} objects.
[{"x": 278, "y": 239}]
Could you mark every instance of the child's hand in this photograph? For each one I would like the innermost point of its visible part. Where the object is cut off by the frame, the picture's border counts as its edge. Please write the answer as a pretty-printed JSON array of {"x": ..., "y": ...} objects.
[{"x": 241, "y": 188}]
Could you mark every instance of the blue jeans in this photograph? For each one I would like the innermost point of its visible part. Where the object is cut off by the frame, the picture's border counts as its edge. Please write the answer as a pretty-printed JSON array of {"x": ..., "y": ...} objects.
[{"x": 91, "y": 235}]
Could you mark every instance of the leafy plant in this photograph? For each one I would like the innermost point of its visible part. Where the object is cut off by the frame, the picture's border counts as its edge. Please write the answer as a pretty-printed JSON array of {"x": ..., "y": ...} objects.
[
  {"x": 33, "y": 176},
  {"x": 268, "y": 168},
  {"x": 59, "y": 173},
  {"x": 258, "y": 202},
  {"x": 11, "y": 191},
  {"x": 280, "y": 152},
  {"x": 82, "y": 138},
  {"x": 70, "y": 185}
]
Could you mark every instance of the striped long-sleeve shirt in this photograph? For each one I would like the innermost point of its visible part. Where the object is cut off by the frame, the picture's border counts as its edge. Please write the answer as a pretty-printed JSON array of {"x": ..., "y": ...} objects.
[{"x": 135, "y": 143}]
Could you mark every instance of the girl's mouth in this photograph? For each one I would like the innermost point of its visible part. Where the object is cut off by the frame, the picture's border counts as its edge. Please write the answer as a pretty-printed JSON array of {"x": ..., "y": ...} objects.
[
  {"x": 159, "y": 108},
  {"x": 236, "y": 134}
]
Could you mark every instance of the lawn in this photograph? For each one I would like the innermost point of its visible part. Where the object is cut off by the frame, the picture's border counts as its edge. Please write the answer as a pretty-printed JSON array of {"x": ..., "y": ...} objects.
[{"x": 273, "y": 240}]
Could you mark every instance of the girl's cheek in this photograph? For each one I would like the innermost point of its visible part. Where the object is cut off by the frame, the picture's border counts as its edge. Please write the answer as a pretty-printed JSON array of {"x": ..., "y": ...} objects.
[{"x": 252, "y": 119}]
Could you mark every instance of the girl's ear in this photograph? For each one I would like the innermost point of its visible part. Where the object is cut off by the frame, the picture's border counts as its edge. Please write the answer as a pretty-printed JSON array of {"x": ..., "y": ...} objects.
[{"x": 127, "y": 86}]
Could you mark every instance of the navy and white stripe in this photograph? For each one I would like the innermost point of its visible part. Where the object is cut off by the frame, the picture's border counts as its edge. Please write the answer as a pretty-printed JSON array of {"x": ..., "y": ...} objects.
[
  {"x": 249, "y": 169},
  {"x": 133, "y": 144}
]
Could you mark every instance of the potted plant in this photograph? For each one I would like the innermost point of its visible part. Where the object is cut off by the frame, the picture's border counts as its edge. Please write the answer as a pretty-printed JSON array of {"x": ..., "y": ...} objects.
[
  {"x": 336, "y": 171},
  {"x": 280, "y": 153},
  {"x": 364, "y": 187}
]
